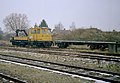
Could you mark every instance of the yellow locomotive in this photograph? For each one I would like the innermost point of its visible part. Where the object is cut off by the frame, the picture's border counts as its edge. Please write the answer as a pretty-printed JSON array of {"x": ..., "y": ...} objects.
[{"x": 39, "y": 36}]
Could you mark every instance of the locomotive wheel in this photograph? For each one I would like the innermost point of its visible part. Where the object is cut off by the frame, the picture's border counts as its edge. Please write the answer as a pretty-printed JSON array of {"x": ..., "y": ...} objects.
[
  {"x": 41, "y": 45},
  {"x": 92, "y": 47},
  {"x": 47, "y": 44},
  {"x": 62, "y": 45}
]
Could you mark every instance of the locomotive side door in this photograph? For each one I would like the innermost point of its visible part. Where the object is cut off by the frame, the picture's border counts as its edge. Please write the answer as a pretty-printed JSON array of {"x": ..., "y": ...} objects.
[
  {"x": 39, "y": 35},
  {"x": 32, "y": 34}
]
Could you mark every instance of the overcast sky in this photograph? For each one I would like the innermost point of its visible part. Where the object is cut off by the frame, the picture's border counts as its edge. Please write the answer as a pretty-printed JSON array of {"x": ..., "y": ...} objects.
[{"x": 102, "y": 14}]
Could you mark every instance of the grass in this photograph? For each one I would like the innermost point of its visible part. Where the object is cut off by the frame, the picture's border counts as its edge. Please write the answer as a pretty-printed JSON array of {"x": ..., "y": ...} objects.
[
  {"x": 5, "y": 43},
  {"x": 33, "y": 75}
]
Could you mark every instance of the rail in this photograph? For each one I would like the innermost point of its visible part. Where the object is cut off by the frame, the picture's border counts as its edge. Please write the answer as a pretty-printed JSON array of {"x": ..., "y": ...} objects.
[
  {"x": 11, "y": 78},
  {"x": 64, "y": 68}
]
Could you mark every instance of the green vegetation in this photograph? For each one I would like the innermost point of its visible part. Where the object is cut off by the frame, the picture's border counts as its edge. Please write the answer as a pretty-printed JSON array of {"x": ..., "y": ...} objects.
[
  {"x": 88, "y": 34},
  {"x": 1, "y": 34},
  {"x": 4, "y": 43}
]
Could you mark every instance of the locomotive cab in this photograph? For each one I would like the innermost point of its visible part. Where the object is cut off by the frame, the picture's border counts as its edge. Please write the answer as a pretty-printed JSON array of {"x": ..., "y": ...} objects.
[{"x": 40, "y": 36}]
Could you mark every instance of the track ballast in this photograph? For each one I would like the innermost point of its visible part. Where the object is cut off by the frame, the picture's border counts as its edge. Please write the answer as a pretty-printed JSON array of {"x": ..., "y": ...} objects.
[{"x": 80, "y": 71}]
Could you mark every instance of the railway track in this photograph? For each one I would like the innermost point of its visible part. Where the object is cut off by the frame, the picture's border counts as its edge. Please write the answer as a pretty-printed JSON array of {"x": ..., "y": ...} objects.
[
  {"x": 9, "y": 78},
  {"x": 81, "y": 55},
  {"x": 84, "y": 51},
  {"x": 70, "y": 50},
  {"x": 80, "y": 71},
  {"x": 73, "y": 54}
]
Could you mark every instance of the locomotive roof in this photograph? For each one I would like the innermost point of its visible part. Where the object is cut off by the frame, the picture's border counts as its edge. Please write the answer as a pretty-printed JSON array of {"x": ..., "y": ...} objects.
[{"x": 40, "y": 27}]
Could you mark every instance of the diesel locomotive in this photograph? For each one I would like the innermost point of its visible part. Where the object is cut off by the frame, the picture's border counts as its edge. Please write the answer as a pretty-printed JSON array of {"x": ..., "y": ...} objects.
[{"x": 39, "y": 36}]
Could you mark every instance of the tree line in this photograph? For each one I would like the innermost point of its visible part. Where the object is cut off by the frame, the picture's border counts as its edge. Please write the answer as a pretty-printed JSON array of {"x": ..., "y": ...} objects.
[
  {"x": 90, "y": 34},
  {"x": 16, "y": 21}
]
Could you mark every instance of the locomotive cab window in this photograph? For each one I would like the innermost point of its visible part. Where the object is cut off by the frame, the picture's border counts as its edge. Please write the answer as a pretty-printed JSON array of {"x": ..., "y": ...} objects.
[
  {"x": 43, "y": 31},
  {"x": 33, "y": 31},
  {"x": 38, "y": 31}
]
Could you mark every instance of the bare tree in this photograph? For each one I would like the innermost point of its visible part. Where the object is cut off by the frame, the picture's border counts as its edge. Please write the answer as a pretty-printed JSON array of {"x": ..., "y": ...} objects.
[
  {"x": 72, "y": 27},
  {"x": 16, "y": 21},
  {"x": 59, "y": 26},
  {"x": 1, "y": 33}
]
